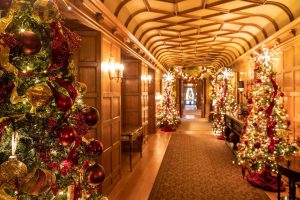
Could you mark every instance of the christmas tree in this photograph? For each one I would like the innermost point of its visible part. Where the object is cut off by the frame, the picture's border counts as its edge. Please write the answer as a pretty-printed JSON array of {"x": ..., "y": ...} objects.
[
  {"x": 43, "y": 121},
  {"x": 267, "y": 136},
  {"x": 223, "y": 101},
  {"x": 168, "y": 118}
]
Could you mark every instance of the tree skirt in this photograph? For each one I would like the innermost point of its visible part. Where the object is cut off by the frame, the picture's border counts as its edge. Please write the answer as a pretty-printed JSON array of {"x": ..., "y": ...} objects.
[
  {"x": 167, "y": 128},
  {"x": 265, "y": 180}
]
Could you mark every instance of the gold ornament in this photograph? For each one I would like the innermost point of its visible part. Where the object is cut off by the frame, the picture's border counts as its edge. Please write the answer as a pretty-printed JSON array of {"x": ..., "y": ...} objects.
[
  {"x": 10, "y": 171},
  {"x": 4, "y": 195},
  {"x": 39, "y": 95},
  {"x": 47, "y": 10},
  {"x": 38, "y": 181},
  {"x": 81, "y": 87}
]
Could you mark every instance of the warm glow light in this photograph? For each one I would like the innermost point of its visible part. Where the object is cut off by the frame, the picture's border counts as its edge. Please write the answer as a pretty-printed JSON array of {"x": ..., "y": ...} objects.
[
  {"x": 115, "y": 70},
  {"x": 169, "y": 77}
]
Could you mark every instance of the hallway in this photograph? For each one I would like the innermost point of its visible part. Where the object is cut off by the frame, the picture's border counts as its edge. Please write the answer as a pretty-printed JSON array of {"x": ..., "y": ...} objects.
[{"x": 201, "y": 156}]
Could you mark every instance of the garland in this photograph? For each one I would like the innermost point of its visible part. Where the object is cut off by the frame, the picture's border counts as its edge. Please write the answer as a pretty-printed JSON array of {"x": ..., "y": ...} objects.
[{"x": 189, "y": 78}]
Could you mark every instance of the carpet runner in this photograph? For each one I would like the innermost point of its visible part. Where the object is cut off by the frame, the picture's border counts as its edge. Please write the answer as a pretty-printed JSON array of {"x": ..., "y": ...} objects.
[{"x": 200, "y": 167}]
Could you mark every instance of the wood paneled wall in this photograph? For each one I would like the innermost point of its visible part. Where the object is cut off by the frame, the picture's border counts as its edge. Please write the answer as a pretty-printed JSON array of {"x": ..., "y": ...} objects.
[
  {"x": 105, "y": 95},
  {"x": 151, "y": 102},
  {"x": 131, "y": 93},
  {"x": 145, "y": 97},
  {"x": 288, "y": 78},
  {"x": 135, "y": 94},
  {"x": 111, "y": 117}
]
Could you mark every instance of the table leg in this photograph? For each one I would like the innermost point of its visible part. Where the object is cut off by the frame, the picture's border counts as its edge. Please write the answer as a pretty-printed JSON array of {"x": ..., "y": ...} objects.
[
  {"x": 141, "y": 145},
  {"x": 278, "y": 185},
  {"x": 292, "y": 189},
  {"x": 131, "y": 150}
]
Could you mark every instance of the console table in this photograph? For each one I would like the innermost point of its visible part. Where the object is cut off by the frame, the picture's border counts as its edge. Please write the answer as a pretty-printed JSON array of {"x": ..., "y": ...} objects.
[
  {"x": 131, "y": 134},
  {"x": 291, "y": 169},
  {"x": 235, "y": 126}
]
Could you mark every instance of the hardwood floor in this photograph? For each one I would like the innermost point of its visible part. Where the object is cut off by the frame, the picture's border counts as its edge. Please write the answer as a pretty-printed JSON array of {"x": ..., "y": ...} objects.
[{"x": 137, "y": 185}]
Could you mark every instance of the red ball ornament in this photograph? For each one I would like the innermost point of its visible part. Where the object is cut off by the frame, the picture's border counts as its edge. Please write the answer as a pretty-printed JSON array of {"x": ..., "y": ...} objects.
[
  {"x": 30, "y": 42},
  {"x": 281, "y": 94},
  {"x": 257, "y": 145},
  {"x": 95, "y": 174},
  {"x": 91, "y": 115},
  {"x": 254, "y": 124},
  {"x": 67, "y": 135},
  {"x": 271, "y": 149},
  {"x": 5, "y": 4},
  {"x": 250, "y": 101},
  {"x": 288, "y": 122},
  {"x": 94, "y": 148}
]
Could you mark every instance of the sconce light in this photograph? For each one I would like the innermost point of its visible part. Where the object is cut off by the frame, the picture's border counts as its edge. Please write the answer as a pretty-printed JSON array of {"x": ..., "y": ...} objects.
[
  {"x": 241, "y": 86},
  {"x": 158, "y": 96},
  {"x": 115, "y": 70},
  {"x": 146, "y": 78}
]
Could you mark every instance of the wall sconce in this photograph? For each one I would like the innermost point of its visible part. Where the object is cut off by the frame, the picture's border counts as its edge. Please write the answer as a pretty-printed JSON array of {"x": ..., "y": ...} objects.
[
  {"x": 158, "y": 96},
  {"x": 115, "y": 70},
  {"x": 146, "y": 78}
]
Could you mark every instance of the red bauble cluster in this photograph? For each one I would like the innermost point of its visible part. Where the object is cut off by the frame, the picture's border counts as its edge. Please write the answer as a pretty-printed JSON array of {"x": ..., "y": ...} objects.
[
  {"x": 91, "y": 115},
  {"x": 94, "y": 148},
  {"x": 95, "y": 174},
  {"x": 67, "y": 135},
  {"x": 30, "y": 42}
]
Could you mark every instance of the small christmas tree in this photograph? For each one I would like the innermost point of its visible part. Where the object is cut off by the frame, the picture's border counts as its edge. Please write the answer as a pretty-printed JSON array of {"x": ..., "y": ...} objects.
[
  {"x": 168, "y": 118},
  {"x": 223, "y": 101},
  {"x": 43, "y": 152},
  {"x": 267, "y": 136}
]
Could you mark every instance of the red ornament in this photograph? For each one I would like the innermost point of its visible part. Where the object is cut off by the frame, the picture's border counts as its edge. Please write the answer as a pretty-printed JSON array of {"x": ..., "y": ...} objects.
[
  {"x": 94, "y": 148},
  {"x": 91, "y": 115},
  {"x": 254, "y": 124},
  {"x": 271, "y": 148},
  {"x": 257, "y": 81},
  {"x": 5, "y": 4},
  {"x": 67, "y": 135},
  {"x": 63, "y": 102},
  {"x": 250, "y": 101},
  {"x": 257, "y": 145},
  {"x": 288, "y": 122},
  {"x": 95, "y": 174},
  {"x": 30, "y": 42},
  {"x": 281, "y": 94}
]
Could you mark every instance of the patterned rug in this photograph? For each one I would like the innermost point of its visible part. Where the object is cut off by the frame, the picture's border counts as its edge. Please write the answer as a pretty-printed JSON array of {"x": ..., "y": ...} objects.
[{"x": 200, "y": 167}]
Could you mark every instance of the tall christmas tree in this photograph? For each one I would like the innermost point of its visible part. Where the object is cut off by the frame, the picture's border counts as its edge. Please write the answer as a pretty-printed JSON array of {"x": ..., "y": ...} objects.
[
  {"x": 168, "y": 117},
  {"x": 267, "y": 136},
  {"x": 223, "y": 102},
  {"x": 43, "y": 151}
]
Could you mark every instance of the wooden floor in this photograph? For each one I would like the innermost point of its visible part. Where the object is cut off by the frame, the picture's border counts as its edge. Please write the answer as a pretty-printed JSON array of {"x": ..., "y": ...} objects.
[{"x": 137, "y": 185}]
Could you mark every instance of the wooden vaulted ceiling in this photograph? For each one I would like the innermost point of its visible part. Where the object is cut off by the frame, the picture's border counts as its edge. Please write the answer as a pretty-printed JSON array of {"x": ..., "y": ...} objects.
[{"x": 202, "y": 32}]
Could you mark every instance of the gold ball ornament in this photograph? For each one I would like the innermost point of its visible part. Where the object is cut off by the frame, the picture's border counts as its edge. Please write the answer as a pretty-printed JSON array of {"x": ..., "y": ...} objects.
[
  {"x": 82, "y": 88},
  {"x": 39, "y": 95},
  {"x": 10, "y": 171},
  {"x": 47, "y": 10}
]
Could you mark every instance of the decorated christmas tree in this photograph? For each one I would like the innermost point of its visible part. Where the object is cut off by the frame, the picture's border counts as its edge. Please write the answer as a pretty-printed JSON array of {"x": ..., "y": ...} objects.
[
  {"x": 168, "y": 118},
  {"x": 43, "y": 122},
  {"x": 267, "y": 135},
  {"x": 223, "y": 100}
]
